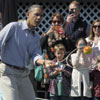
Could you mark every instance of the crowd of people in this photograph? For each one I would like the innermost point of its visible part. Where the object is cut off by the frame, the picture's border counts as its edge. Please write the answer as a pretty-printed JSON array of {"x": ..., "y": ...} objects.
[{"x": 72, "y": 73}]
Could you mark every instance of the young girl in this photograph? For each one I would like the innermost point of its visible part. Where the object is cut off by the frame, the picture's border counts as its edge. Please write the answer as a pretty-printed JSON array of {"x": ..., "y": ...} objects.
[
  {"x": 59, "y": 76},
  {"x": 95, "y": 76},
  {"x": 80, "y": 73}
]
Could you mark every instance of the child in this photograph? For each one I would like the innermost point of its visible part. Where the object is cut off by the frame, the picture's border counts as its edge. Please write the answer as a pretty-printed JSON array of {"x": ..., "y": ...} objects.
[
  {"x": 59, "y": 76},
  {"x": 96, "y": 80},
  {"x": 80, "y": 73}
]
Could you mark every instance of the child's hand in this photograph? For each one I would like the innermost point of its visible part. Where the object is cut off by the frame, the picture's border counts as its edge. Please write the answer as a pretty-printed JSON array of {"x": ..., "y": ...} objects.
[
  {"x": 61, "y": 69},
  {"x": 56, "y": 71},
  {"x": 79, "y": 51}
]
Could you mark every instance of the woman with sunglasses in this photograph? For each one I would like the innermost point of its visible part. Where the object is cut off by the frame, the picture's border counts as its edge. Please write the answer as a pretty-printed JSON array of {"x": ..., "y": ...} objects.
[
  {"x": 55, "y": 32},
  {"x": 94, "y": 33},
  {"x": 94, "y": 41},
  {"x": 94, "y": 38}
]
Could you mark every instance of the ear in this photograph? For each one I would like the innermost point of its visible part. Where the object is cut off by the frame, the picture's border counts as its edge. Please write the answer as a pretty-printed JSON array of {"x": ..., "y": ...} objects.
[{"x": 27, "y": 14}]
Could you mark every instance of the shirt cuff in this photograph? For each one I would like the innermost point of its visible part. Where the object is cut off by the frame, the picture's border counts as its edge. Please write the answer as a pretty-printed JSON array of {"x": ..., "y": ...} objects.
[{"x": 36, "y": 58}]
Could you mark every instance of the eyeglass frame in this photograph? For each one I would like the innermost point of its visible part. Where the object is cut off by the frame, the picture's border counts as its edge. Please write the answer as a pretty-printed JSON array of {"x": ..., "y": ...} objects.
[
  {"x": 59, "y": 22},
  {"x": 73, "y": 10},
  {"x": 95, "y": 26}
]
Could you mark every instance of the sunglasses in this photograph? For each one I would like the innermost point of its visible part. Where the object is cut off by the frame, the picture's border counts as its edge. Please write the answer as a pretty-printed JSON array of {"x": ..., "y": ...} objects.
[
  {"x": 82, "y": 44},
  {"x": 56, "y": 22},
  {"x": 73, "y": 10},
  {"x": 96, "y": 26}
]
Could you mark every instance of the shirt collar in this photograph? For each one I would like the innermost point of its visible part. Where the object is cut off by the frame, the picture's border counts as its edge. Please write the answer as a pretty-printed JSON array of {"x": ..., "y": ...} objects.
[{"x": 24, "y": 25}]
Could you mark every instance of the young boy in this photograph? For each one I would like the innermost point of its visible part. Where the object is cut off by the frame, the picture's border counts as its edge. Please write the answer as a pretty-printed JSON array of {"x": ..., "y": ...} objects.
[{"x": 59, "y": 76}]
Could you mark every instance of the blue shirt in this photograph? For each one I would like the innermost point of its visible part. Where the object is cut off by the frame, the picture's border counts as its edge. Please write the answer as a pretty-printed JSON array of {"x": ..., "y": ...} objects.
[{"x": 18, "y": 44}]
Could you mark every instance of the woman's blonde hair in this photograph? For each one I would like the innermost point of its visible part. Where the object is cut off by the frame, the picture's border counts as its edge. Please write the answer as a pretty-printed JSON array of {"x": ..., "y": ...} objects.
[{"x": 92, "y": 35}]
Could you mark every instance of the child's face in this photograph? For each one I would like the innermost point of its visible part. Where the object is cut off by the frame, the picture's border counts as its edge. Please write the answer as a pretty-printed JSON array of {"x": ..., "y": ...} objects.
[{"x": 59, "y": 54}]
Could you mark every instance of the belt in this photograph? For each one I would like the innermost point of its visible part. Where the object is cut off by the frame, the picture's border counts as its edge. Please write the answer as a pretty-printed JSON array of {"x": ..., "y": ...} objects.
[{"x": 15, "y": 67}]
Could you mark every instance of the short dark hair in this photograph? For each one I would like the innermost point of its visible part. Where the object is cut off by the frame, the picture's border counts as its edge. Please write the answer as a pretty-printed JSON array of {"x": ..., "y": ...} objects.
[
  {"x": 34, "y": 6},
  {"x": 76, "y": 3}
]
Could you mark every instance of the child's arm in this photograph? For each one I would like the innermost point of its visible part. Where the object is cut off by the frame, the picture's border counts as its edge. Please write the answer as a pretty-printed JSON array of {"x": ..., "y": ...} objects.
[
  {"x": 53, "y": 73},
  {"x": 75, "y": 59}
]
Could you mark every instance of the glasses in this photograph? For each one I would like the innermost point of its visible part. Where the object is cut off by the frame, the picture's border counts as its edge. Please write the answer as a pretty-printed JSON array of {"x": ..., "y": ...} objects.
[
  {"x": 82, "y": 44},
  {"x": 96, "y": 26},
  {"x": 56, "y": 22},
  {"x": 73, "y": 10}
]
